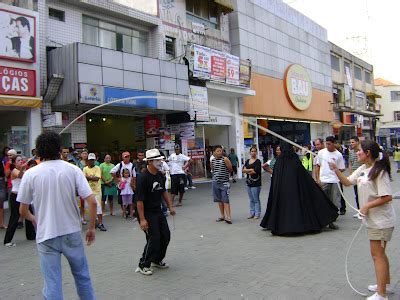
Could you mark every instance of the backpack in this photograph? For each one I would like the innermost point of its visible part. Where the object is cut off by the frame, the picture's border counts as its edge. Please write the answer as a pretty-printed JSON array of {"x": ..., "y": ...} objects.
[{"x": 118, "y": 173}]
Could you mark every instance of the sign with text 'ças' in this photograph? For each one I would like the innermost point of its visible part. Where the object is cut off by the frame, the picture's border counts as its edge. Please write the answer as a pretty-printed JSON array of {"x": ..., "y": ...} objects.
[
  {"x": 298, "y": 87},
  {"x": 18, "y": 82}
]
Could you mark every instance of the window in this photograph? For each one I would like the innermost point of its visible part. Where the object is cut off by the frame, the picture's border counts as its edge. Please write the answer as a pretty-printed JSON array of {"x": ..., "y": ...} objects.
[
  {"x": 28, "y": 4},
  {"x": 395, "y": 95},
  {"x": 56, "y": 14},
  {"x": 335, "y": 62},
  {"x": 357, "y": 73},
  {"x": 170, "y": 45},
  {"x": 205, "y": 12},
  {"x": 108, "y": 35},
  {"x": 397, "y": 115},
  {"x": 367, "y": 77}
]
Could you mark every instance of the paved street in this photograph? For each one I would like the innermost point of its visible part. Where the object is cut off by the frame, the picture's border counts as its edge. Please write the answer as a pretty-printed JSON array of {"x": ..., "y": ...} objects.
[{"x": 211, "y": 260}]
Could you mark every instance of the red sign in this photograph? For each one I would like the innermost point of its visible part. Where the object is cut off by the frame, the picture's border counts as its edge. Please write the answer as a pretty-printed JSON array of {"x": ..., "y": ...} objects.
[
  {"x": 218, "y": 65},
  {"x": 20, "y": 82},
  {"x": 152, "y": 125}
]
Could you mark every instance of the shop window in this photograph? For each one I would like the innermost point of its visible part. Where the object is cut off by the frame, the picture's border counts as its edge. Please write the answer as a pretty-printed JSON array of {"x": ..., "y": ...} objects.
[
  {"x": 335, "y": 63},
  {"x": 56, "y": 14},
  {"x": 108, "y": 35},
  {"x": 205, "y": 12},
  {"x": 357, "y": 73},
  {"x": 395, "y": 95},
  {"x": 367, "y": 77},
  {"x": 28, "y": 4},
  {"x": 170, "y": 45},
  {"x": 397, "y": 116}
]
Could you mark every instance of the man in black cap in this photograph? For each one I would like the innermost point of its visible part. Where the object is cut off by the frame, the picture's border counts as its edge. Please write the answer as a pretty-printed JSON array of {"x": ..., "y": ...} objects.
[{"x": 150, "y": 190}]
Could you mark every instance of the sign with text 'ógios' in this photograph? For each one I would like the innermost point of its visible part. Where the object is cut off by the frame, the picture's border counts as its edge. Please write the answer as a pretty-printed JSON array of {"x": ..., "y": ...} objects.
[
  {"x": 18, "y": 82},
  {"x": 298, "y": 87}
]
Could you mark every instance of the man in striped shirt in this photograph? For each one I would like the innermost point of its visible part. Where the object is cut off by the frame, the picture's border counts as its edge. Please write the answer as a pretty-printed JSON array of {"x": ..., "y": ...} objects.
[
  {"x": 221, "y": 168},
  {"x": 354, "y": 164}
]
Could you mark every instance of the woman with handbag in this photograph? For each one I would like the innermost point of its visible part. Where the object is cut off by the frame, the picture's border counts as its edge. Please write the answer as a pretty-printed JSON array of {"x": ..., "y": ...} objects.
[{"x": 252, "y": 168}]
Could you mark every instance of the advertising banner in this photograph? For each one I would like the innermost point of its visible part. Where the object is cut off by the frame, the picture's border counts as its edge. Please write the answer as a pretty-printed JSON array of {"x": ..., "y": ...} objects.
[
  {"x": 18, "y": 82},
  {"x": 245, "y": 72},
  {"x": 91, "y": 93},
  {"x": 202, "y": 62},
  {"x": 198, "y": 103},
  {"x": 218, "y": 66},
  {"x": 232, "y": 69},
  {"x": 18, "y": 36},
  {"x": 111, "y": 94}
]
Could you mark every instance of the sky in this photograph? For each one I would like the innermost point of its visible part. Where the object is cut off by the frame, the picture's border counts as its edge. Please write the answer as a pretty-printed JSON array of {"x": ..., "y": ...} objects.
[{"x": 366, "y": 28}]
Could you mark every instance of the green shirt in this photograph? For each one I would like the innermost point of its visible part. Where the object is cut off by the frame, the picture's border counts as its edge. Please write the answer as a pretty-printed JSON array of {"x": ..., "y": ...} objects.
[
  {"x": 105, "y": 171},
  {"x": 233, "y": 158}
]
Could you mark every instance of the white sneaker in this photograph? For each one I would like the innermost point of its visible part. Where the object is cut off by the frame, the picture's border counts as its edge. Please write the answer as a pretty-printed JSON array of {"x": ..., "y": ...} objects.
[
  {"x": 374, "y": 288},
  {"x": 160, "y": 265},
  {"x": 376, "y": 296},
  {"x": 193, "y": 187},
  {"x": 144, "y": 271},
  {"x": 9, "y": 245},
  {"x": 186, "y": 188}
]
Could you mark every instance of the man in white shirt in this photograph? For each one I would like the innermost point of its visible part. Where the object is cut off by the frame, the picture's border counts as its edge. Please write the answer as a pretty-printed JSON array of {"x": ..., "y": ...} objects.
[
  {"x": 178, "y": 163},
  {"x": 51, "y": 187},
  {"x": 326, "y": 177},
  {"x": 117, "y": 170}
]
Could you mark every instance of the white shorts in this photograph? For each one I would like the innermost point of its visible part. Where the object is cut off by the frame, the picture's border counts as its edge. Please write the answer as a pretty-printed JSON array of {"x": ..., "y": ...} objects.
[{"x": 98, "y": 200}]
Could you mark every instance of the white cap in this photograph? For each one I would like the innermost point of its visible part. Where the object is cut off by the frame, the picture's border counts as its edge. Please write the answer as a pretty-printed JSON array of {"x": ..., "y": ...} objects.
[
  {"x": 12, "y": 152},
  {"x": 91, "y": 156}
]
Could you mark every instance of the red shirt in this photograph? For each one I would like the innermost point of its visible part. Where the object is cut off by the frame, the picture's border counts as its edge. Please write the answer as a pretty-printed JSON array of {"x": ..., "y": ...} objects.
[{"x": 7, "y": 168}]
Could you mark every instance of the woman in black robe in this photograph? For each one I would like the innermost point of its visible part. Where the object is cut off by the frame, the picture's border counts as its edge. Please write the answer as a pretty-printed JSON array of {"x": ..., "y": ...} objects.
[{"x": 296, "y": 203}]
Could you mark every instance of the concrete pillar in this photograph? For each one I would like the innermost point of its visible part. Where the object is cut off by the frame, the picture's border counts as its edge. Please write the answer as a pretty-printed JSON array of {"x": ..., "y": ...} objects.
[{"x": 34, "y": 123}]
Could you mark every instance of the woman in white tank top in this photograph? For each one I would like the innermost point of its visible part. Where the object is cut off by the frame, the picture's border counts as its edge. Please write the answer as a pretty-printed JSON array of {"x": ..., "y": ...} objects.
[{"x": 16, "y": 175}]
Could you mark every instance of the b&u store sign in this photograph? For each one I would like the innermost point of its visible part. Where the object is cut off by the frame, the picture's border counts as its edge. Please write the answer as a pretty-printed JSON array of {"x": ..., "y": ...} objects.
[
  {"x": 298, "y": 87},
  {"x": 18, "y": 82}
]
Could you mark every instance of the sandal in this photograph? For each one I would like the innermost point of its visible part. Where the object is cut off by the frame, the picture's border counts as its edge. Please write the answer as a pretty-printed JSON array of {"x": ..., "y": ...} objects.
[
  {"x": 178, "y": 204},
  {"x": 3, "y": 227},
  {"x": 220, "y": 219},
  {"x": 228, "y": 221}
]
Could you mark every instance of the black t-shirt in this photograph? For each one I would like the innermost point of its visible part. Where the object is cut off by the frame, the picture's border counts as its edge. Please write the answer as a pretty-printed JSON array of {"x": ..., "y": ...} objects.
[
  {"x": 253, "y": 180},
  {"x": 140, "y": 167},
  {"x": 149, "y": 190}
]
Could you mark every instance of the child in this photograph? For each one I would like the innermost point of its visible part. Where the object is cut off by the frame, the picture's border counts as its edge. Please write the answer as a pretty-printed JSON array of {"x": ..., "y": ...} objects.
[{"x": 126, "y": 192}]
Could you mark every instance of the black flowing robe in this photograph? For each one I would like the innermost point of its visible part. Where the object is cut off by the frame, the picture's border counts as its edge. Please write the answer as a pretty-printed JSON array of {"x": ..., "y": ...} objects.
[{"x": 296, "y": 203}]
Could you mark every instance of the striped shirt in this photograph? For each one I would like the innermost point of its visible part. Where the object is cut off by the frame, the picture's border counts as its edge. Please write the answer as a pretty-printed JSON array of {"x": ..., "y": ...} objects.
[
  {"x": 220, "y": 171},
  {"x": 355, "y": 164}
]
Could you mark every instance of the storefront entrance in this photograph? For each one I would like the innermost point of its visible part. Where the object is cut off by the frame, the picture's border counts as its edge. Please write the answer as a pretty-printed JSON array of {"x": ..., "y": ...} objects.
[{"x": 14, "y": 131}]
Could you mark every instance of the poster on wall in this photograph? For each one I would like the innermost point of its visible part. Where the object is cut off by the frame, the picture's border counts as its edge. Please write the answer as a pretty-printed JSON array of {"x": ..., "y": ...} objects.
[
  {"x": 202, "y": 62},
  {"x": 218, "y": 66},
  {"x": 245, "y": 72},
  {"x": 198, "y": 103},
  {"x": 18, "y": 36},
  {"x": 232, "y": 69},
  {"x": 151, "y": 126}
]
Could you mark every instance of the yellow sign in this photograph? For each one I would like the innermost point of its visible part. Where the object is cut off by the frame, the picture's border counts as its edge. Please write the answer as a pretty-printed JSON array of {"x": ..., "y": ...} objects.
[{"x": 298, "y": 87}]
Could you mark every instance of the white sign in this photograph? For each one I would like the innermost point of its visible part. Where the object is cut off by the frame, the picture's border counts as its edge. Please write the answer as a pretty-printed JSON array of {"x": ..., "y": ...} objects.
[
  {"x": 198, "y": 103},
  {"x": 52, "y": 120},
  {"x": 232, "y": 69},
  {"x": 198, "y": 28},
  {"x": 219, "y": 120},
  {"x": 91, "y": 93},
  {"x": 348, "y": 76},
  {"x": 202, "y": 62}
]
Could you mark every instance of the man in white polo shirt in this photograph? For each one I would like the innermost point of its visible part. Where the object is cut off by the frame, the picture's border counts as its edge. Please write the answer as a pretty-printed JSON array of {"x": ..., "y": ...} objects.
[{"x": 51, "y": 187}]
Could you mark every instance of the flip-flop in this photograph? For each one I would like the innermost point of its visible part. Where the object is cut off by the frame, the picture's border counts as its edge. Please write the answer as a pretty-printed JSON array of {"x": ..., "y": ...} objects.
[
  {"x": 220, "y": 219},
  {"x": 3, "y": 227},
  {"x": 228, "y": 221},
  {"x": 178, "y": 204}
]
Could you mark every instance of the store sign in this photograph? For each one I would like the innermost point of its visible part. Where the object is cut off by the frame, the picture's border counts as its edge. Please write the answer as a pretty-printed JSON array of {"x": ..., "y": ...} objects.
[
  {"x": 232, "y": 69},
  {"x": 298, "y": 87},
  {"x": 198, "y": 28},
  {"x": 198, "y": 103},
  {"x": 202, "y": 62},
  {"x": 18, "y": 36},
  {"x": 52, "y": 120},
  {"x": 219, "y": 120},
  {"x": 245, "y": 72},
  {"x": 19, "y": 82},
  {"x": 133, "y": 98},
  {"x": 348, "y": 77},
  {"x": 218, "y": 66},
  {"x": 91, "y": 93}
]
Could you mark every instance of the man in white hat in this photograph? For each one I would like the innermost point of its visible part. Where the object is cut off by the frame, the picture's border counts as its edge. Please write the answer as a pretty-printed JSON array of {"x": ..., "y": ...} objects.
[{"x": 149, "y": 193}]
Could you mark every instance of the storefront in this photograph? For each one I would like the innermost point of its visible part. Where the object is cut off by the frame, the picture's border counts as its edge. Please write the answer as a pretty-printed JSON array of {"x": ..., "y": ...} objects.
[
  {"x": 132, "y": 95},
  {"x": 290, "y": 107},
  {"x": 20, "y": 102}
]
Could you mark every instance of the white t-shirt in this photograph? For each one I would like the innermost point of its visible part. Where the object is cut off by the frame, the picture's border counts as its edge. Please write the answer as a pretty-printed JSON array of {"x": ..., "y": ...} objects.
[
  {"x": 129, "y": 166},
  {"x": 326, "y": 175},
  {"x": 127, "y": 189},
  {"x": 51, "y": 187},
  {"x": 176, "y": 163},
  {"x": 381, "y": 216}
]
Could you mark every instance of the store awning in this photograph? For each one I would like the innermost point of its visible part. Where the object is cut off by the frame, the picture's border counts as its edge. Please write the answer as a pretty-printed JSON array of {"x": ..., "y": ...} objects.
[
  {"x": 230, "y": 90},
  {"x": 364, "y": 113},
  {"x": 226, "y": 5},
  {"x": 373, "y": 95},
  {"x": 33, "y": 102}
]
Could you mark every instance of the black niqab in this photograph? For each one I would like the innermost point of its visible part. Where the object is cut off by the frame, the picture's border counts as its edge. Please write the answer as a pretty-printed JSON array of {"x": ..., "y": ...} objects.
[{"x": 296, "y": 203}]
